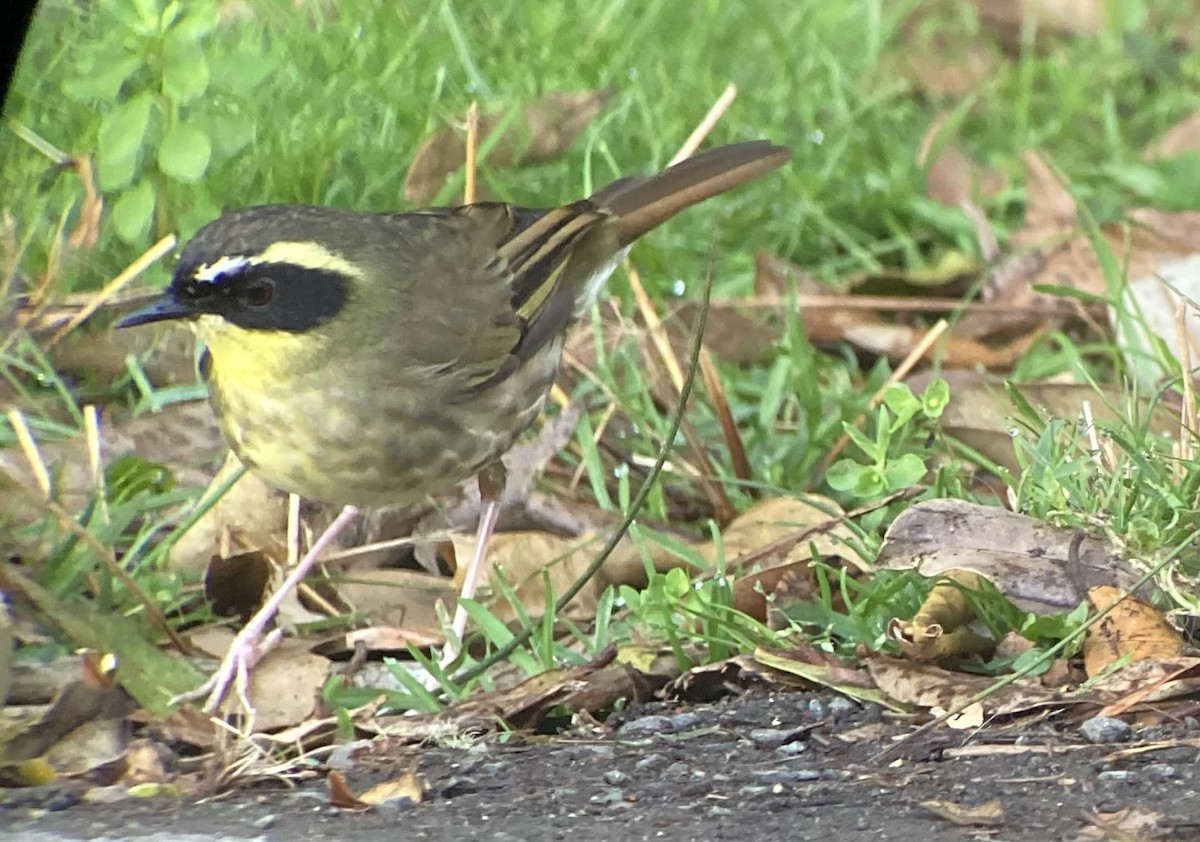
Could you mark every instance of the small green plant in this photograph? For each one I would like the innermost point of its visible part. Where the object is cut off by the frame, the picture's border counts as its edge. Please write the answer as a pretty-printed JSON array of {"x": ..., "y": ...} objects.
[
  {"x": 168, "y": 110},
  {"x": 684, "y": 612},
  {"x": 902, "y": 423}
]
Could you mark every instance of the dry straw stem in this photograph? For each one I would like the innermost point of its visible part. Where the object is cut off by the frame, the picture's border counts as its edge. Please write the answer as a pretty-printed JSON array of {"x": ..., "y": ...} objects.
[
  {"x": 470, "y": 166},
  {"x": 91, "y": 437},
  {"x": 94, "y": 302},
  {"x": 706, "y": 125},
  {"x": 1187, "y": 442},
  {"x": 29, "y": 449}
]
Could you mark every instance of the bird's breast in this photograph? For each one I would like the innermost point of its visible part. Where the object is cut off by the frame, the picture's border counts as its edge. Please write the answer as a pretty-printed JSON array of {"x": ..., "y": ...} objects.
[{"x": 377, "y": 434}]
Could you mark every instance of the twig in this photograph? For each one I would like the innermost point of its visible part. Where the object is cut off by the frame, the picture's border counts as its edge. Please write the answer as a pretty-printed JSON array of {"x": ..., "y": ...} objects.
[
  {"x": 29, "y": 448},
  {"x": 137, "y": 267},
  {"x": 469, "y": 194},
  {"x": 91, "y": 436},
  {"x": 706, "y": 125}
]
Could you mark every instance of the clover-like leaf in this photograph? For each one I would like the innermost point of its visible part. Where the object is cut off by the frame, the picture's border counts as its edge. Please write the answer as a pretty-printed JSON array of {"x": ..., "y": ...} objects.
[
  {"x": 133, "y": 211},
  {"x": 184, "y": 153},
  {"x": 122, "y": 133},
  {"x": 185, "y": 70}
]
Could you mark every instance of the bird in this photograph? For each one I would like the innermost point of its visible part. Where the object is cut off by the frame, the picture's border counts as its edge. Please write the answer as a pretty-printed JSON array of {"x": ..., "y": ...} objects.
[{"x": 362, "y": 359}]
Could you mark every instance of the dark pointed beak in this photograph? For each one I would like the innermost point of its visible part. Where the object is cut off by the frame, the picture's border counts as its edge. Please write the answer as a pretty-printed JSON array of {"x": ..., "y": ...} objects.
[{"x": 161, "y": 309}]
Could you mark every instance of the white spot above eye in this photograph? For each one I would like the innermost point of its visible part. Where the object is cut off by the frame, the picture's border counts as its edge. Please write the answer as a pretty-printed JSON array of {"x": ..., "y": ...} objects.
[{"x": 210, "y": 273}]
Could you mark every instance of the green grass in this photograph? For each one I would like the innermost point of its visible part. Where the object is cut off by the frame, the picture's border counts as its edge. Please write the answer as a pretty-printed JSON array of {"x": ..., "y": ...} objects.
[{"x": 328, "y": 104}]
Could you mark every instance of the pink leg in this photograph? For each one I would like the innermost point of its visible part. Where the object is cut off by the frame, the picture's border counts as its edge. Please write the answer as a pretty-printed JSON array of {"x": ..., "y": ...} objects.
[
  {"x": 492, "y": 480},
  {"x": 487, "y": 522},
  {"x": 247, "y": 649}
]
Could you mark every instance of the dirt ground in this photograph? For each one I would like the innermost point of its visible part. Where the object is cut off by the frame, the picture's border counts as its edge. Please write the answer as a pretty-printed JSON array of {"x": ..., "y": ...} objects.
[{"x": 760, "y": 765}]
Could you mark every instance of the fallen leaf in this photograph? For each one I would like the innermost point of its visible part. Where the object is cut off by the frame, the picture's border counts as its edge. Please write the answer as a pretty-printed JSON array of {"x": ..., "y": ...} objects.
[
  {"x": 1131, "y": 824},
  {"x": 285, "y": 685},
  {"x": 542, "y": 131},
  {"x": 409, "y": 787},
  {"x": 1181, "y": 138},
  {"x": 849, "y": 681},
  {"x": 1012, "y": 20},
  {"x": 988, "y": 814},
  {"x": 952, "y": 178},
  {"x": 87, "y": 226},
  {"x": 1029, "y": 561},
  {"x": 941, "y": 628},
  {"x": 927, "y": 686},
  {"x": 1132, "y": 631}
]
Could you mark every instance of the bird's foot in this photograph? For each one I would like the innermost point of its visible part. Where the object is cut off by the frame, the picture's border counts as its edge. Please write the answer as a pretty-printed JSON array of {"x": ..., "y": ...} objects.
[{"x": 247, "y": 649}]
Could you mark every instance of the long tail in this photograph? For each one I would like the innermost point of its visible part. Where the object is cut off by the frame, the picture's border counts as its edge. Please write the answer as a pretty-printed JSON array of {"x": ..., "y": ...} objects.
[{"x": 645, "y": 203}]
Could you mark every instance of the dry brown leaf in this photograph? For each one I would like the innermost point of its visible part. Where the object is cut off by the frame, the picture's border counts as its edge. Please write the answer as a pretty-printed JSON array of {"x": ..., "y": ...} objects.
[
  {"x": 400, "y": 599},
  {"x": 250, "y": 516},
  {"x": 1181, "y": 138},
  {"x": 285, "y": 685},
  {"x": 897, "y": 341},
  {"x": 928, "y": 686},
  {"x": 523, "y": 557},
  {"x": 1143, "y": 682},
  {"x": 947, "y": 70},
  {"x": 236, "y": 585},
  {"x": 1155, "y": 301},
  {"x": 1132, "y": 824},
  {"x": 544, "y": 130},
  {"x": 1052, "y": 250},
  {"x": 987, "y": 814},
  {"x": 967, "y": 719},
  {"x": 952, "y": 177},
  {"x": 1009, "y": 20},
  {"x": 87, "y": 227},
  {"x": 1027, "y": 560},
  {"x": 826, "y": 672},
  {"x": 410, "y": 787},
  {"x": 1132, "y": 630},
  {"x": 941, "y": 627},
  {"x": 146, "y": 762},
  {"x": 95, "y": 750},
  {"x": 775, "y": 538}
]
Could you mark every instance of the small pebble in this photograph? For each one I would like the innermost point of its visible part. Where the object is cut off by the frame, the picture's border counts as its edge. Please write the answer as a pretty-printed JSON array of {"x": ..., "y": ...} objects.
[
  {"x": 678, "y": 769},
  {"x": 608, "y": 796},
  {"x": 1115, "y": 775},
  {"x": 785, "y": 776},
  {"x": 685, "y": 721},
  {"x": 615, "y": 777},
  {"x": 646, "y": 726},
  {"x": 1105, "y": 729},
  {"x": 456, "y": 786},
  {"x": 791, "y": 749},
  {"x": 62, "y": 800},
  {"x": 264, "y": 822},
  {"x": 1161, "y": 772},
  {"x": 817, "y": 709},
  {"x": 772, "y": 738},
  {"x": 649, "y": 762},
  {"x": 840, "y": 707}
]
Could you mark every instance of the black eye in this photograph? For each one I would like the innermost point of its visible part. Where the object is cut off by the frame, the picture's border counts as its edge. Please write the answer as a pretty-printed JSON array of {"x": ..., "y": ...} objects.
[{"x": 258, "y": 292}]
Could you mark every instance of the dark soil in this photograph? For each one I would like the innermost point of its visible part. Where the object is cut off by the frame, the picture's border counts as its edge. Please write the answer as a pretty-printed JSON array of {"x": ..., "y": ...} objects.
[{"x": 758, "y": 766}]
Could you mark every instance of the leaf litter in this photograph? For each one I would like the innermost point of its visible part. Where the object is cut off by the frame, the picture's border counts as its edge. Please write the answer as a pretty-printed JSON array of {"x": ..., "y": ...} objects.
[{"x": 1131, "y": 658}]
